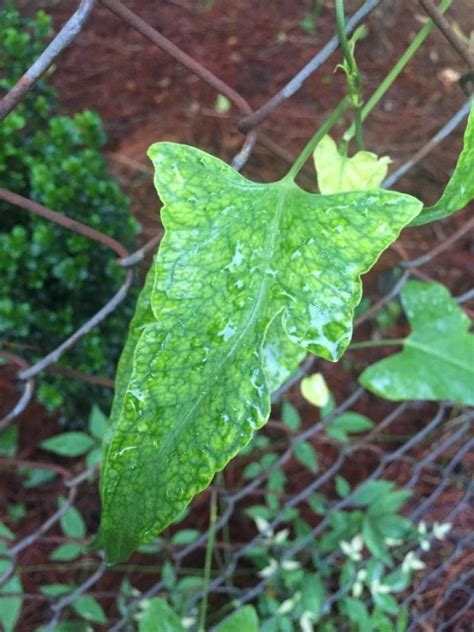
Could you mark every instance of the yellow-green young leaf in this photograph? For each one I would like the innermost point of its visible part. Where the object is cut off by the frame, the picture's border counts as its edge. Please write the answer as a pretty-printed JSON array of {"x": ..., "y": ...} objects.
[
  {"x": 242, "y": 266},
  {"x": 437, "y": 360},
  {"x": 459, "y": 191},
  {"x": 315, "y": 390},
  {"x": 337, "y": 173}
]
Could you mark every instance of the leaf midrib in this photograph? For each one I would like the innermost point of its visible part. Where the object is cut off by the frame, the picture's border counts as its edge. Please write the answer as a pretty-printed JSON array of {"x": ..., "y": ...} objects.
[{"x": 429, "y": 351}]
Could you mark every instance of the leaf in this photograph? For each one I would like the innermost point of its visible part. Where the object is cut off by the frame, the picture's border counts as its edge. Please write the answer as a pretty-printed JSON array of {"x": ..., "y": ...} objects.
[
  {"x": 290, "y": 416},
  {"x": 459, "y": 191},
  {"x": 372, "y": 491},
  {"x": 392, "y": 526},
  {"x": 313, "y": 594},
  {"x": 68, "y": 444},
  {"x": 68, "y": 626},
  {"x": 66, "y": 552},
  {"x": 386, "y": 602},
  {"x": 306, "y": 455},
  {"x": 9, "y": 441},
  {"x": 94, "y": 457},
  {"x": 97, "y": 422},
  {"x": 71, "y": 521},
  {"x": 55, "y": 590},
  {"x": 357, "y": 613},
  {"x": 185, "y": 536},
  {"x": 391, "y": 502},
  {"x": 34, "y": 476},
  {"x": 401, "y": 623},
  {"x": 348, "y": 423},
  {"x": 374, "y": 541},
  {"x": 238, "y": 259},
  {"x": 157, "y": 614},
  {"x": 337, "y": 173},
  {"x": 5, "y": 532},
  {"x": 10, "y": 607},
  {"x": 243, "y": 619},
  {"x": 315, "y": 390},
  {"x": 343, "y": 488},
  {"x": 436, "y": 362},
  {"x": 89, "y": 609}
]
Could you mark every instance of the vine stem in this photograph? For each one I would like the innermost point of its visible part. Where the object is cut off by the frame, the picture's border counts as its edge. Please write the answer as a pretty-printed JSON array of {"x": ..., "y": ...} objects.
[
  {"x": 341, "y": 33},
  {"x": 208, "y": 560},
  {"x": 317, "y": 137},
  {"x": 361, "y": 114},
  {"x": 384, "y": 342},
  {"x": 354, "y": 79},
  {"x": 418, "y": 40}
]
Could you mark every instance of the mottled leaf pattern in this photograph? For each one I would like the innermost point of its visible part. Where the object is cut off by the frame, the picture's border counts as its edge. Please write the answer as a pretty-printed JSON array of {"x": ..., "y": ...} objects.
[
  {"x": 248, "y": 278},
  {"x": 437, "y": 361}
]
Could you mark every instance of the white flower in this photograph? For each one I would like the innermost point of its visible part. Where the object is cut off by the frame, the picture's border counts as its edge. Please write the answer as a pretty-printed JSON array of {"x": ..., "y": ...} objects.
[
  {"x": 412, "y": 563},
  {"x": 144, "y": 604},
  {"x": 281, "y": 536},
  {"x": 269, "y": 570},
  {"x": 263, "y": 526},
  {"x": 353, "y": 548},
  {"x": 425, "y": 545},
  {"x": 286, "y": 606},
  {"x": 377, "y": 588},
  {"x": 357, "y": 589},
  {"x": 188, "y": 622},
  {"x": 422, "y": 528},
  {"x": 306, "y": 622},
  {"x": 393, "y": 541},
  {"x": 358, "y": 585},
  {"x": 441, "y": 530},
  {"x": 290, "y": 565},
  {"x": 361, "y": 575}
]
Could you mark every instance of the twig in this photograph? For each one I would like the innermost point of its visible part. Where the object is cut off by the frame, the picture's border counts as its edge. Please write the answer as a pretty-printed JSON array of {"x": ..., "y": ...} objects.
[
  {"x": 434, "y": 252},
  {"x": 445, "y": 28},
  {"x": 59, "y": 606},
  {"x": 191, "y": 64},
  {"x": 64, "y": 221},
  {"x": 66, "y": 35},
  {"x": 139, "y": 255},
  {"x": 251, "y": 121},
  {"x": 443, "y": 133},
  {"x": 27, "y": 394}
]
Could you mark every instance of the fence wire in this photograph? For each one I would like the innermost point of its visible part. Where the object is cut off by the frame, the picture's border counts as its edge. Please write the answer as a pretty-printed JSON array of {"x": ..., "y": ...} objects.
[{"x": 435, "y": 454}]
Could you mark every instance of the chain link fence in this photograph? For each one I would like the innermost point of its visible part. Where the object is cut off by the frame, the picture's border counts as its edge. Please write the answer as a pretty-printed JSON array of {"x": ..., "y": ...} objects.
[{"x": 429, "y": 451}]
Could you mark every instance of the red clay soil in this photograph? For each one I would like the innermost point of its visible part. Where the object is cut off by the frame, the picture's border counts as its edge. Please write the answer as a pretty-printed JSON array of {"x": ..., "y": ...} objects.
[{"x": 144, "y": 96}]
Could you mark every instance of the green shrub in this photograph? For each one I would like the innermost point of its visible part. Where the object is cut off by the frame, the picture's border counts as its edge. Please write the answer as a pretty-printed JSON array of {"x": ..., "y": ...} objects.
[{"x": 54, "y": 280}]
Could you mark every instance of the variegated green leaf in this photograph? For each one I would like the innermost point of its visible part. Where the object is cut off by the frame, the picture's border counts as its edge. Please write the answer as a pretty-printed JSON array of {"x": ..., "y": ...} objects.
[{"x": 248, "y": 278}]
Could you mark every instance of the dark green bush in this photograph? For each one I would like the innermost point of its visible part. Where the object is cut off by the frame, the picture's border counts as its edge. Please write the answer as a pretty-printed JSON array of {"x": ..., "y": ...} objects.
[{"x": 53, "y": 280}]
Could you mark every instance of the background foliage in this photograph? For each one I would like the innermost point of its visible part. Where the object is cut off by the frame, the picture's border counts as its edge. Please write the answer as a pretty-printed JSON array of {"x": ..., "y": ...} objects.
[{"x": 52, "y": 280}]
